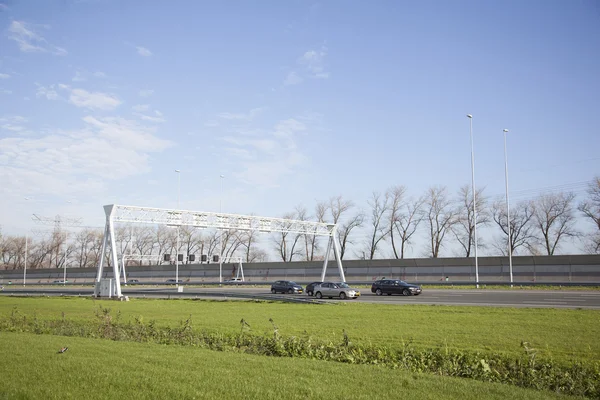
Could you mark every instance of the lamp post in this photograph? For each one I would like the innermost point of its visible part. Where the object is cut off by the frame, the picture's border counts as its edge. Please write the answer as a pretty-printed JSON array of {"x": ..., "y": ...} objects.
[
  {"x": 221, "y": 235},
  {"x": 65, "y": 263},
  {"x": 177, "y": 231},
  {"x": 508, "y": 210},
  {"x": 25, "y": 267},
  {"x": 474, "y": 199}
]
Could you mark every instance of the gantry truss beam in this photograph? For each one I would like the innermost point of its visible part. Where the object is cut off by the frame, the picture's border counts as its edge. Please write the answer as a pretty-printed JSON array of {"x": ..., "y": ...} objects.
[{"x": 201, "y": 219}]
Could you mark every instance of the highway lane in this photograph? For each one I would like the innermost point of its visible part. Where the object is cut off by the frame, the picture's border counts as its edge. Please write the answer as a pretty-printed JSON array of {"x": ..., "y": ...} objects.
[{"x": 456, "y": 297}]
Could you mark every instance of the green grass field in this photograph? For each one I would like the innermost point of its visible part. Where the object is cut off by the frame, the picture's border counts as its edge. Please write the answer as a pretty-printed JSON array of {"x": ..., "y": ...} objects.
[
  {"x": 560, "y": 334},
  {"x": 31, "y": 368}
]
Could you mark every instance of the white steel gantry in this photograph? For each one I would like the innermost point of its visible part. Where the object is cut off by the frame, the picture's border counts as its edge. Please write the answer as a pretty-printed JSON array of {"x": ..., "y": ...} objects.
[{"x": 200, "y": 219}]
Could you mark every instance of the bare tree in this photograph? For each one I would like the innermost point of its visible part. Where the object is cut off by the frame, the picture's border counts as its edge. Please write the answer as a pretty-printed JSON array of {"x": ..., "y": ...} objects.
[
  {"x": 396, "y": 195},
  {"x": 163, "y": 240},
  {"x": 307, "y": 239},
  {"x": 404, "y": 218},
  {"x": 554, "y": 216},
  {"x": 440, "y": 215},
  {"x": 189, "y": 238},
  {"x": 86, "y": 243},
  {"x": 144, "y": 242},
  {"x": 338, "y": 208},
  {"x": 378, "y": 228},
  {"x": 285, "y": 242},
  {"x": 521, "y": 228},
  {"x": 464, "y": 228},
  {"x": 591, "y": 209},
  {"x": 313, "y": 240}
]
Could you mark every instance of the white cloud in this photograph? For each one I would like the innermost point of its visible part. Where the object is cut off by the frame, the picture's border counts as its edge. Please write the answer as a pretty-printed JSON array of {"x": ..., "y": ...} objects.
[
  {"x": 267, "y": 156},
  {"x": 4, "y": 76},
  {"x": 157, "y": 117},
  {"x": 47, "y": 92},
  {"x": 5, "y": 91},
  {"x": 211, "y": 124},
  {"x": 84, "y": 161},
  {"x": 13, "y": 123},
  {"x": 99, "y": 74},
  {"x": 249, "y": 116},
  {"x": 142, "y": 51},
  {"x": 311, "y": 64},
  {"x": 314, "y": 60},
  {"x": 146, "y": 92},
  {"x": 141, "y": 107},
  {"x": 78, "y": 77},
  {"x": 292, "y": 79},
  {"x": 93, "y": 100},
  {"x": 30, "y": 41}
]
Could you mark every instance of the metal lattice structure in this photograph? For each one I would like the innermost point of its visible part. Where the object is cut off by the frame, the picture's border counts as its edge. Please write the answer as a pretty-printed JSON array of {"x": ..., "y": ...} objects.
[{"x": 207, "y": 220}]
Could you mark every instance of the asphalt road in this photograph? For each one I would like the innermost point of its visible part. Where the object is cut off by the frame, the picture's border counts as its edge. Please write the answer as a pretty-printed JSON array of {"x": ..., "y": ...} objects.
[{"x": 456, "y": 297}]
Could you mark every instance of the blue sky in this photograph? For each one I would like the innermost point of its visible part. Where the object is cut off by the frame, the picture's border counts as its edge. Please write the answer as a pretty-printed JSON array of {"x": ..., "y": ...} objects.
[{"x": 292, "y": 101}]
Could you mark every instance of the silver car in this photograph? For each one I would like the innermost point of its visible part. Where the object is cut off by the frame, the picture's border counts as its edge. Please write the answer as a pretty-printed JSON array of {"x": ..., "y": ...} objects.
[{"x": 335, "y": 289}]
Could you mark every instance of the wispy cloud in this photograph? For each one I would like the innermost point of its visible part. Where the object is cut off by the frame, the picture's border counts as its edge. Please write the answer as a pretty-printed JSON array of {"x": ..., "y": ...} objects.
[
  {"x": 13, "y": 123},
  {"x": 78, "y": 77},
  {"x": 146, "y": 92},
  {"x": 292, "y": 79},
  {"x": 47, "y": 92},
  {"x": 93, "y": 100},
  {"x": 80, "y": 97},
  {"x": 156, "y": 117},
  {"x": 267, "y": 155},
  {"x": 314, "y": 60},
  {"x": 249, "y": 116},
  {"x": 100, "y": 147},
  {"x": 4, "y": 76},
  {"x": 30, "y": 40},
  {"x": 211, "y": 124},
  {"x": 141, "y": 107},
  {"x": 142, "y": 51}
]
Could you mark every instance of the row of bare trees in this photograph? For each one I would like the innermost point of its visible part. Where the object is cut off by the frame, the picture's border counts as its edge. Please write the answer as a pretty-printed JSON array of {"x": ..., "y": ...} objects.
[
  {"x": 83, "y": 249},
  {"x": 389, "y": 228}
]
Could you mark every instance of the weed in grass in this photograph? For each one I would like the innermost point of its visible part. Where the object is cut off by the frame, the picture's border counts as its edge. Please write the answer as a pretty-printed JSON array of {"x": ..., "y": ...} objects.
[{"x": 528, "y": 370}]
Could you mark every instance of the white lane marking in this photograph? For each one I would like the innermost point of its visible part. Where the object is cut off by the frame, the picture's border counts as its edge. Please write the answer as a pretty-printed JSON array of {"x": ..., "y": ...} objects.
[
  {"x": 590, "y": 295},
  {"x": 545, "y": 302},
  {"x": 563, "y": 298}
]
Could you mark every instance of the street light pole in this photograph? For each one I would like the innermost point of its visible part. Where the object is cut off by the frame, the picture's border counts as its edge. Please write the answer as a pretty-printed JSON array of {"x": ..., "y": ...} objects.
[
  {"x": 178, "y": 186},
  {"x": 177, "y": 231},
  {"x": 221, "y": 235},
  {"x": 65, "y": 263},
  {"x": 508, "y": 211},
  {"x": 474, "y": 199},
  {"x": 26, "y": 240}
]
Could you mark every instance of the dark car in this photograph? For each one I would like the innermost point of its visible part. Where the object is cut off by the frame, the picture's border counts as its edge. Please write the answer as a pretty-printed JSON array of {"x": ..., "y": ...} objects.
[
  {"x": 286, "y": 287},
  {"x": 310, "y": 288},
  {"x": 171, "y": 281},
  {"x": 394, "y": 286},
  {"x": 133, "y": 281}
]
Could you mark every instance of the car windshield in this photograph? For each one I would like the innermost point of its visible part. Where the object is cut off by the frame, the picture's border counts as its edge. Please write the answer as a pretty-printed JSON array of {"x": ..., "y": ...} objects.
[
  {"x": 342, "y": 285},
  {"x": 293, "y": 283}
]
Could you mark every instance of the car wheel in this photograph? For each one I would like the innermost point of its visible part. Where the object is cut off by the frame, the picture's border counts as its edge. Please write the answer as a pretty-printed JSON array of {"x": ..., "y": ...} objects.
[
  {"x": 406, "y": 292},
  {"x": 290, "y": 291},
  {"x": 319, "y": 295},
  {"x": 378, "y": 292},
  {"x": 310, "y": 293},
  {"x": 273, "y": 291},
  {"x": 343, "y": 296}
]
